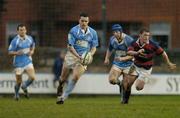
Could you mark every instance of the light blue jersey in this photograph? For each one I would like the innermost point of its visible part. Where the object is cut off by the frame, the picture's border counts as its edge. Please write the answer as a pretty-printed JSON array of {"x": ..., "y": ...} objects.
[
  {"x": 120, "y": 49},
  {"x": 82, "y": 41},
  {"x": 18, "y": 44}
]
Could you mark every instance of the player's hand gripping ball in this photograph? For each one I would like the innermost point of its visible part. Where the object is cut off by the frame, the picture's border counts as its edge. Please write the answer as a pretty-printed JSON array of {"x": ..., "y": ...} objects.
[{"x": 86, "y": 58}]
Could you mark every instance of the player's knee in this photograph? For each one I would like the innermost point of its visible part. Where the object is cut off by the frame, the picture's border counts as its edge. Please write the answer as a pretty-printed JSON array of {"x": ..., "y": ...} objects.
[
  {"x": 19, "y": 82},
  {"x": 139, "y": 88},
  {"x": 75, "y": 80},
  {"x": 76, "y": 77},
  {"x": 112, "y": 82},
  {"x": 125, "y": 81},
  {"x": 32, "y": 78},
  {"x": 61, "y": 81},
  {"x": 129, "y": 88},
  {"x": 139, "y": 85},
  {"x": 125, "y": 86}
]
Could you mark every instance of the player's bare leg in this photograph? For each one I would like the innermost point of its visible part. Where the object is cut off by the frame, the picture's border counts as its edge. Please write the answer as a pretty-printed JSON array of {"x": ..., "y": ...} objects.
[
  {"x": 139, "y": 84},
  {"x": 114, "y": 75}
]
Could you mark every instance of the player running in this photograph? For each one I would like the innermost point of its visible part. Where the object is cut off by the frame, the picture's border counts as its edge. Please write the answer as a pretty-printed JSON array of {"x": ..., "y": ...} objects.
[
  {"x": 119, "y": 43},
  {"x": 144, "y": 50},
  {"x": 81, "y": 38}
]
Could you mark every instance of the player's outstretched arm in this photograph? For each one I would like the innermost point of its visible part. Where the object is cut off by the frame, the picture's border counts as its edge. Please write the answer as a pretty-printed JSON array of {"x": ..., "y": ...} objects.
[{"x": 169, "y": 63}]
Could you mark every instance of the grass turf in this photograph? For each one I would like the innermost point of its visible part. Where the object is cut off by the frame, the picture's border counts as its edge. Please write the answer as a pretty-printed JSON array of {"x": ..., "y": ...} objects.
[{"x": 91, "y": 107}]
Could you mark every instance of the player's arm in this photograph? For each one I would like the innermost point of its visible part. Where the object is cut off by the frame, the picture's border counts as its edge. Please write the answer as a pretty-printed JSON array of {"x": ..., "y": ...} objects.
[
  {"x": 94, "y": 43},
  {"x": 109, "y": 52},
  {"x": 160, "y": 51},
  {"x": 130, "y": 52},
  {"x": 14, "y": 53},
  {"x": 73, "y": 51},
  {"x": 126, "y": 58},
  {"x": 133, "y": 53},
  {"x": 169, "y": 63},
  {"x": 108, "y": 55},
  {"x": 31, "y": 52},
  {"x": 93, "y": 50},
  {"x": 71, "y": 42},
  {"x": 12, "y": 49},
  {"x": 32, "y": 48}
]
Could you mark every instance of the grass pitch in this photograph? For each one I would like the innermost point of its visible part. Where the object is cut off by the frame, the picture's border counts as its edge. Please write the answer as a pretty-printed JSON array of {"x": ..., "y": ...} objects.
[{"x": 91, "y": 107}]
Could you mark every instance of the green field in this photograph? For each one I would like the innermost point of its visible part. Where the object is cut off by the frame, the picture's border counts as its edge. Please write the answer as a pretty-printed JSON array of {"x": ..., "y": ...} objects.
[{"x": 91, "y": 107}]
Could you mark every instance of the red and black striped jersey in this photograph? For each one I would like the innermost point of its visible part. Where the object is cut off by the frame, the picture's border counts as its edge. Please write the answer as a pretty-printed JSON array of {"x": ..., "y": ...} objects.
[{"x": 145, "y": 60}]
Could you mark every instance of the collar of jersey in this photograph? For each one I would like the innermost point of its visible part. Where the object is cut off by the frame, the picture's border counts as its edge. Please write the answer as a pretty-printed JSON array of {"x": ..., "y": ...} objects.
[
  {"x": 21, "y": 38},
  {"x": 138, "y": 42},
  {"x": 123, "y": 37},
  {"x": 88, "y": 31}
]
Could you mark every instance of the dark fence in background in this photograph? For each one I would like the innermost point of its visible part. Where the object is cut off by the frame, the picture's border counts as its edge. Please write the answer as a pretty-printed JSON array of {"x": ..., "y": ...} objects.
[
  {"x": 44, "y": 57},
  {"x": 49, "y": 21}
]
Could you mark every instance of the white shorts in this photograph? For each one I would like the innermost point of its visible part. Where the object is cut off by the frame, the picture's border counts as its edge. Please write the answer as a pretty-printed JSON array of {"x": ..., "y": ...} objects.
[
  {"x": 123, "y": 69},
  {"x": 71, "y": 61},
  {"x": 20, "y": 70},
  {"x": 143, "y": 74}
]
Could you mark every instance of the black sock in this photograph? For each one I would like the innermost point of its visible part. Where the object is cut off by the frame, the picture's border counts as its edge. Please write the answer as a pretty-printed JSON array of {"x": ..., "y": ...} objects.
[{"x": 60, "y": 88}]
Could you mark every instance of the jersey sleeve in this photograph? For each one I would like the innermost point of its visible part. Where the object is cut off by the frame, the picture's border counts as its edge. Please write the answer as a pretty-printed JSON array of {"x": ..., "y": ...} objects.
[
  {"x": 12, "y": 46},
  {"x": 111, "y": 45},
  {"x": 129, "y": 41},
  {"x": 71, "y": 38},
  {"x": 95, "y": 42},
  {"x": 158, "y": 49},
  {"x": 33, "y": 42},
  {"x": 131, "y": 47}
]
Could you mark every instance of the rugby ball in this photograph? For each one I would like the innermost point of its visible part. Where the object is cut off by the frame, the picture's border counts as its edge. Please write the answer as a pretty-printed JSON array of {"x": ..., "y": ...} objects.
[{"x": 86, "y": 58}]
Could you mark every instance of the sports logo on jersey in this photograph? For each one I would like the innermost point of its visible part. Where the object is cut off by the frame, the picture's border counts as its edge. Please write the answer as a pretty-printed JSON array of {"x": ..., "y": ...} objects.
[
  {"x": 120, "y": 53},
  {"x": 82, "y": 43}
]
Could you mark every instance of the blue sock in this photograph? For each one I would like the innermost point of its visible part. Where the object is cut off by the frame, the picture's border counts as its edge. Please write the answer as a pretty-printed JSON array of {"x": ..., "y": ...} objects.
[
  {"x": 16, "y": 88},
  {"x": 27, "y": 83},
  {"x": 70, "y": 86}
]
